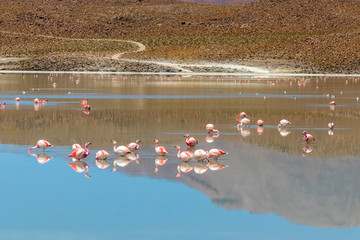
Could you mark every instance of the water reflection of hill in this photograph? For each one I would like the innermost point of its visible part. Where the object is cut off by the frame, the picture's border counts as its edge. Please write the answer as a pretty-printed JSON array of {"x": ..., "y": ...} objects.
[
  {"x": 64, "y": 127},
  {"x": 311, "y": 191}
]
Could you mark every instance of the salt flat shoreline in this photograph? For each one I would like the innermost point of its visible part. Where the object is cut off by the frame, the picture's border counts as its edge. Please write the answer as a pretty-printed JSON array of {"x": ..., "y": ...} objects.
[{"x": 260, "y": 75}]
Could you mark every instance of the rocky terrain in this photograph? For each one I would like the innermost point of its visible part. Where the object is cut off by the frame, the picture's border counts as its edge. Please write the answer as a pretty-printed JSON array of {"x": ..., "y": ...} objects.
[{"x": 314, "y": 36}]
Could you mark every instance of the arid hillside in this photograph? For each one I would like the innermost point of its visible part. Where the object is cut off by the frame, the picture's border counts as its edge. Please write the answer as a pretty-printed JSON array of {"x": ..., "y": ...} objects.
[{"x": 321, "y": 35}]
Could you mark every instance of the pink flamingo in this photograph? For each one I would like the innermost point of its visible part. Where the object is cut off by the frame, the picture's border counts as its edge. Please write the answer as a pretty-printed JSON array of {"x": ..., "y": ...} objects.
[
  {"x": 75, "y": 146},
  {"x": 283, "y": 123},
  {"x": 332, "y": 103},
  {"x": 307, "y": 137},
  {"x": 121, "y": 150},
  {"x": 260, "y": 122},
  {"x": 159, "y": 161},
  {"x": 245, "y": 121},
  {"x": 80, "y": 166},
  {"x": 160, "y": 150},
  {"x": 200, "y": 154},
  {"x": 331, "y": 125},
  {"x": 3, "y": 105},
  {"x": 210, "y": 128},
  {"x": 190, "y": 141},
  {"x": 242, "y": 115},
  {"x": 84, "y": 101},
  {"x": 43, "y": 144},
  {"x": 216, "y": 153},
  {"x": 184, "y": 167},
  {"x": 87, "y": 107},
  {"x": 17, "y": 99},
  {"x": 184, "y": 156},
  {"x": 134, "y": 145},
  {"x": 101, "y": 155},
  {"x": 80, "y": 153}
]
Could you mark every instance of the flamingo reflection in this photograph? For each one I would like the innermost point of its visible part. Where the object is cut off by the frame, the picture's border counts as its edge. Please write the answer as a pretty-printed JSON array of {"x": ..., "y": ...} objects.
[
  {"x": 102, "y": 164},
  {"x": 80, "y": 166},
  {"x": 184, "y": 167},
  {"x": 215, "y": 165},
  {"x": 122, "y": 161},
  {"x": 283, "y": 131},
  {"x": 210, "y": 137},
  {"x": 307, "y": 149},
  {"x": 200, "y": 167},
  {"x": 159, "y": 161},
  {"x": 41, "y": 158}
]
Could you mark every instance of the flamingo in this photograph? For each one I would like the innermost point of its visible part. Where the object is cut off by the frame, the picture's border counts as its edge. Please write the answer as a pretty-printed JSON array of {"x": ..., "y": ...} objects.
[
  {"x": 210, "y": 128},
  {"x": 87, "y": 107},
  {"x": 75, "y": 146},
  {"x": 43, "y": 101},
  {"x": 331, "y": 125},
  {"x": 200, "y": 154},
  {"x": 36, "y": 100},
  {"x": 84, "y": 101},
  {"x": 215, "y": 165},
  {"x": 260, "y": 123},
  {"x": 160, "y": 150},
  {"x": 307, "y": 137},
  {"x": 43, "y": 144},
  {"x": 17, "y": 99},
  {"x": 80, "y": 153},
  {"x": 159, "y": 161},
  {"x": 134, "y": 145},
  {"x": 3, "y": 105},
  {"x": 41, "y": 158},
  {"x": 190, "y": 141},
  {"x": 101, "y": 155},
  {"x": 332, "y": 103},
  {"x": 242, "y": 115},
  {"x": 184, "y": 167},
  {"x": 200, "y": 168},
  {"x": 184, "y": 156},
  {"x": 80, "y": 167},
  {"x": 102, "y": 164},
  {"x": 216, "y": 153},
  {"x": 245, "y": 121},
  {"x": 121, "y": 150},
  {"x": 283, "y": 123}
]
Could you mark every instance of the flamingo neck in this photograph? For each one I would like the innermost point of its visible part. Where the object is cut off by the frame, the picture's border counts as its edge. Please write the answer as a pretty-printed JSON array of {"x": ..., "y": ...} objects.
[
  {"x": 32, "y": 148},
  {"x": 178, "y": 174},
  {"x": 178, "y": 155},
  {"x": 86, "y": 174},
  {"x": 115, "y": 145},
  {"x": 157, "y": 144}
]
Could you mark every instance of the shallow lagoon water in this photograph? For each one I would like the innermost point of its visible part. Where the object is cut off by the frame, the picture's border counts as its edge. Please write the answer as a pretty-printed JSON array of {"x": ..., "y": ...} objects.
[{"x": 274, "y": 186}]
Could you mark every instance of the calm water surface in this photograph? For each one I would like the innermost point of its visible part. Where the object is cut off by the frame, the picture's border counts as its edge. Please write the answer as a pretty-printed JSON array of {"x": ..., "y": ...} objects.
[{"x": 271, "y": 185}]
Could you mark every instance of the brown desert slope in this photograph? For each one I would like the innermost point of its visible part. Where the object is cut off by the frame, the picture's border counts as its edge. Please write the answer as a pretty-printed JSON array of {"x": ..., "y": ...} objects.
[{"x": 321, "y": 35}]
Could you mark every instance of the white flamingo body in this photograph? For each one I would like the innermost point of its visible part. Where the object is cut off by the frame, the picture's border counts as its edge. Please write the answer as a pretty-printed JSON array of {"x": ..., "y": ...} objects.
[
  {"x": 260, "y": 122},
  {"x": 245, "y": 121},
  {"x": 160, "y": 150},
  {"x": 184, "y": 156},
  {"x": 331, "y": 125},
  {"x": 216, "y": 153},
  {"x": 284, "y": 123},
  {"x": 200, "y": 154},
  {"x": 43, "y": 144},
  {"x": 101, "y": 155},
  {"x": 75, "y": 146},
  {"x": 120, "y": 150},
  {"x": 242, "y": 115}
]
